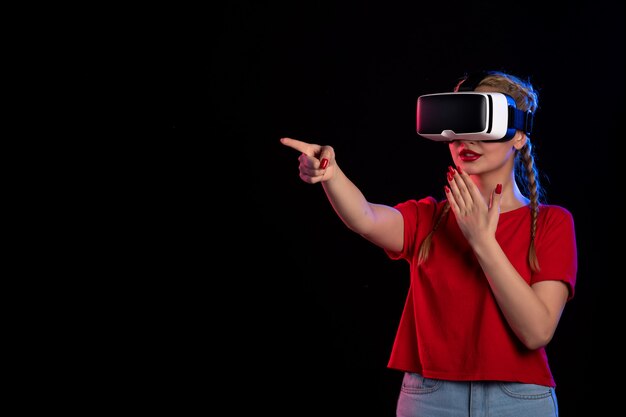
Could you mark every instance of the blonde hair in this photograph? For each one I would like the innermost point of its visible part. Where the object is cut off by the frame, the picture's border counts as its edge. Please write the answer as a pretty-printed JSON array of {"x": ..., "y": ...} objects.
[{"x": 526, "y": 173}]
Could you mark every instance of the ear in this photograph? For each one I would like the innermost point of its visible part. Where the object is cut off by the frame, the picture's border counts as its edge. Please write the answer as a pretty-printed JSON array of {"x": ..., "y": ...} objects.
[{"x": 519, "y": 140}]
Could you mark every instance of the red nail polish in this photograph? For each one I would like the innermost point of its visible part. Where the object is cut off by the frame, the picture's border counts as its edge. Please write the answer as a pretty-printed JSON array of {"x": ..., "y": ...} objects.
[
  {"x": 498, "y": 188},
  {"x": 450, "y": 170},
  {"x": 458, "y": 168},
  {"x": 446, "y": 189},
  {"x": 449, "y": 176},
  {"x": 324, "y": 163}
]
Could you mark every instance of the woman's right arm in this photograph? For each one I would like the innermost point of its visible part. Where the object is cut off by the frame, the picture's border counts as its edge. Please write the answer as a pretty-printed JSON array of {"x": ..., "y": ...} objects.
[{"x": 380, "y": 224}]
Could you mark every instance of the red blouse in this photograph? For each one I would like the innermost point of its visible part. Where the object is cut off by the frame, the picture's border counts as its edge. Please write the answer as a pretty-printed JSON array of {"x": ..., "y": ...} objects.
[{"x": 451, "y": 327}]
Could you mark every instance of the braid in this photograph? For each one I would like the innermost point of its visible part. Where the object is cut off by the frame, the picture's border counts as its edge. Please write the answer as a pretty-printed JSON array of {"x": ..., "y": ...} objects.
[
  {"x": 427, "y": 242},
  {"x": 534, "y": 193}
]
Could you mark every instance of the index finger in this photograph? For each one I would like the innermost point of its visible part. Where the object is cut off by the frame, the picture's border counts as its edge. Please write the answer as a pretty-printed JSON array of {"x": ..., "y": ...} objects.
[{"x": 298, "y": 145}]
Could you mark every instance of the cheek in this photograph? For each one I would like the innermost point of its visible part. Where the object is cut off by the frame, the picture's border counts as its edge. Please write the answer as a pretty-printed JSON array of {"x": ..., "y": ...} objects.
[{"x": 500, "y": 152}]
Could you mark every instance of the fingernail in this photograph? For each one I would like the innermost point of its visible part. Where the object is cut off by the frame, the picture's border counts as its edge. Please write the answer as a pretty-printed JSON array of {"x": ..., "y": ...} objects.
[
  {"x": 446, "y": 189},
  {"x": 450, "y": 170},
  {"x": 458, "y": 168},
  {"x": 449, "y": 176},
  {"x": 498, "y": 188},
  {"x": 324, "y": 163}
]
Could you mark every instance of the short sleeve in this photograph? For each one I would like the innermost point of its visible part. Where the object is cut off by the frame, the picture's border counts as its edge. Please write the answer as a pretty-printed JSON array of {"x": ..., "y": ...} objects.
[
  {"x": 556, "y": 248},
  {"x": 418, "y": 216}
]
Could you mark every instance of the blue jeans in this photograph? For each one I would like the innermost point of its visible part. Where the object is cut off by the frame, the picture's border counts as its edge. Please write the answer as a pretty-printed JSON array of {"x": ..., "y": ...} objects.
[{"x": 426, "y": 397}]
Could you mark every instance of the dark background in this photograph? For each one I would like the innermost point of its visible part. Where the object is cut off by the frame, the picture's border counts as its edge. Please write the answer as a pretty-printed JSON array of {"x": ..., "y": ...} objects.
[{"x": 273, "y": 301}]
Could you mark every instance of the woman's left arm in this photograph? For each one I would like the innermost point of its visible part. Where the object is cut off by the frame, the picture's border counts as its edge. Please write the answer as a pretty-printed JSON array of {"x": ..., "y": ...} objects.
[{"x": 532, "y": 311}]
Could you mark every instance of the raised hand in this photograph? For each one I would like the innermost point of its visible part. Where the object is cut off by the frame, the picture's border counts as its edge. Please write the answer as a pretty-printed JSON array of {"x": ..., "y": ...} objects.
[{"x": 476, "y": 217}]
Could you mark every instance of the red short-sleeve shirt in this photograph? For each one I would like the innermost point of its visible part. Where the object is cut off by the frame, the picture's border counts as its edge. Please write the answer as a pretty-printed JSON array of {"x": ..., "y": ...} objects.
[{"x": 451, "y": 327}]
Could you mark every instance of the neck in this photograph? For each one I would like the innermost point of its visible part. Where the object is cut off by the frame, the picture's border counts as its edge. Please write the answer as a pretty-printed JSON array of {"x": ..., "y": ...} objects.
[{"x": 512, "y": 197}]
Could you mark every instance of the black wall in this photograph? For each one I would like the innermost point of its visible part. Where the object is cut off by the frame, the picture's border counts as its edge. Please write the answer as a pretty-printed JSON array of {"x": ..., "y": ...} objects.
[{"x": 297, "y": 313}]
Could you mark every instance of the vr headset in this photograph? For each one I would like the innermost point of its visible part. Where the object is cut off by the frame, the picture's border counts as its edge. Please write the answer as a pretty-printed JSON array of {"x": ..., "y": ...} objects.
[{"x": 470, "y": 115}]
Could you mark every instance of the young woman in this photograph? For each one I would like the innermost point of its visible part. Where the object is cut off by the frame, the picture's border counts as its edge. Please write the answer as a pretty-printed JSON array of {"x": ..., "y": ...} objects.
[{"x": 492, "y": 268}]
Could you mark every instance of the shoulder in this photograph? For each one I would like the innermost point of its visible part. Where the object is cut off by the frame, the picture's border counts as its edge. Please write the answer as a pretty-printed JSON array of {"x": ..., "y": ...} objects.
[
  {"x": 555, "y": 219},
  {"x": 424, "y": 204},
  {"x": 554, "y": 212},
  {"x": 424, "y": 207}
]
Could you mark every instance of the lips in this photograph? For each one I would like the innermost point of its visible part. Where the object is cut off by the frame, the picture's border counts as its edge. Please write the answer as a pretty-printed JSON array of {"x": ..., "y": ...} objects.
[{"x": 468, "y": 156}]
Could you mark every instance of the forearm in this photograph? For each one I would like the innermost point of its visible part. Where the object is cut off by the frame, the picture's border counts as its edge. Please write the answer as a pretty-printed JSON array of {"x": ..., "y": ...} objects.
[
  {"x": 526, "y": 313},
  {"x": 349, "y": 202}
]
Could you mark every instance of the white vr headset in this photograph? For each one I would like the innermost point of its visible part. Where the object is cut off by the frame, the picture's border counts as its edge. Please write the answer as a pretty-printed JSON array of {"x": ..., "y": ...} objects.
[{"x": 470, "y": 115}]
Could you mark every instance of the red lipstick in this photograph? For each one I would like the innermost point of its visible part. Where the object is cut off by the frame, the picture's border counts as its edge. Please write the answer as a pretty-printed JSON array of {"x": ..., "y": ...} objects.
[{"x": 468, "y": 156}]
